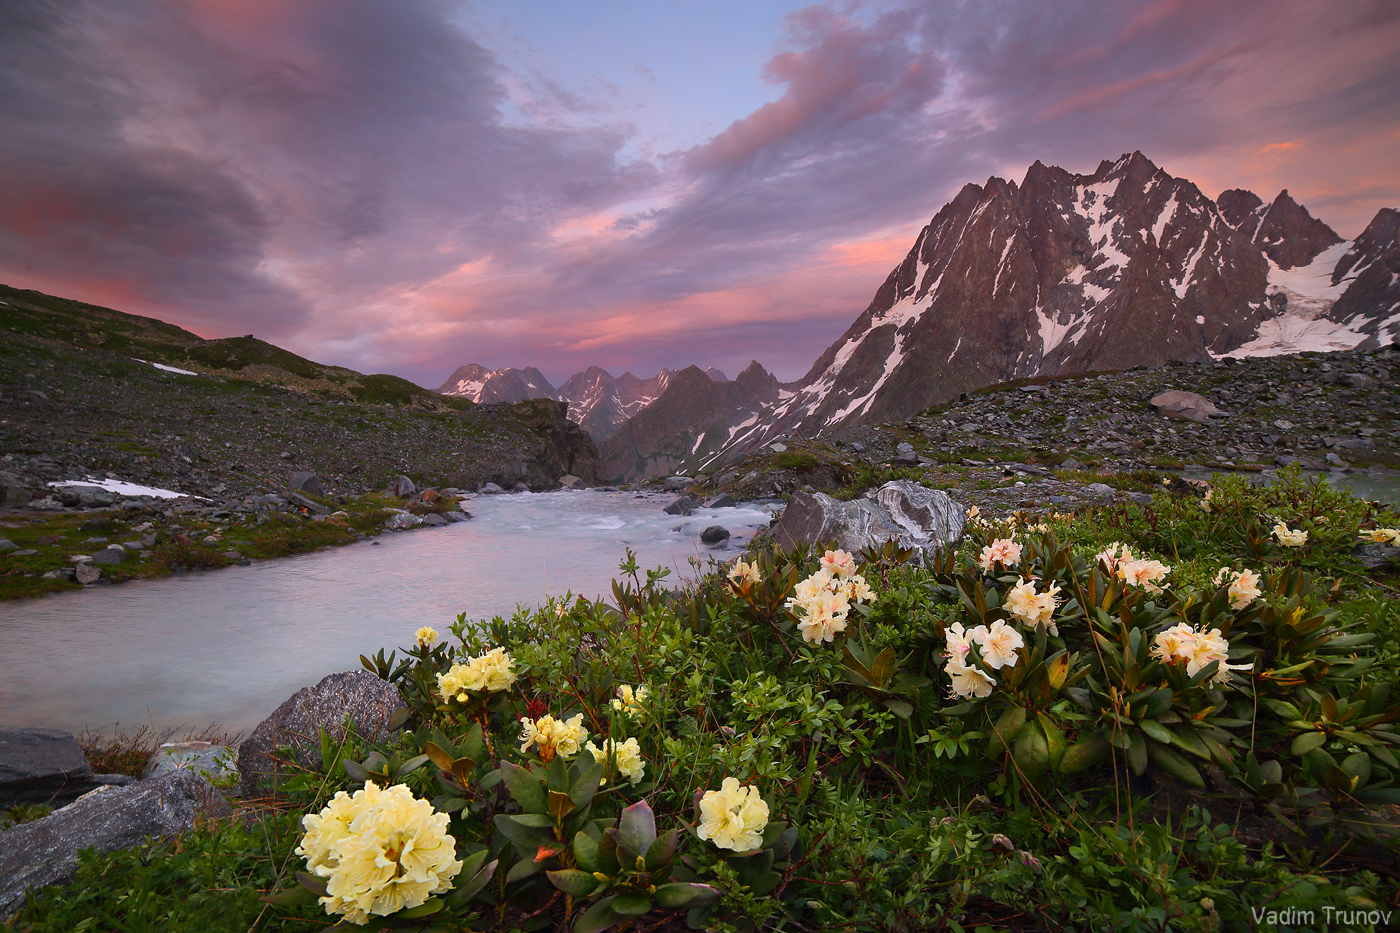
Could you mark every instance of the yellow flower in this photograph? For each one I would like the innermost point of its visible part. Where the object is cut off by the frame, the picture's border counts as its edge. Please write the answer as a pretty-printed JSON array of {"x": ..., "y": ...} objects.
[
  {"x": 1205, "y": 503},
  {"x": 1143, "y": 573},
  {"x": 998, "y": 644},
  {"x": 1289, "y": 538},
  {"x": 824, "y": 617},
  {"x": 381, "y": 851},
  {"x": 630, "y": 763},
  {"x": 426, "y": 636},
  {"x": 629, "y": 701},
  {"x": 1381, "y": 535},
  {"x": 487, "y": 673},
  {"x": 552, "y": 736},
  {"x": 733, "y": 817}
]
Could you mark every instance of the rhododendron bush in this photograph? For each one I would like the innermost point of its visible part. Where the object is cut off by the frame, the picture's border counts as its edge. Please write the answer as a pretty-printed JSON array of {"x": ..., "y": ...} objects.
[{"x": 822, "y": 739}]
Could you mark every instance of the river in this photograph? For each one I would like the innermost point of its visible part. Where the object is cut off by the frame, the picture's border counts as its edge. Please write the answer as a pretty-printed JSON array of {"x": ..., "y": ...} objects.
[{"x": 229, "y": 645}]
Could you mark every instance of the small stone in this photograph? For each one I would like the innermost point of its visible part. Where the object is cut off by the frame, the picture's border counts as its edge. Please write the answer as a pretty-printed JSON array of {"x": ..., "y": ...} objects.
[
  {"x": 403, "y": 487},
  {"x": 308, "y": 482},
  {"x": 715, "y": 534},
  {"x": 683, "y": 505},
  {"x": 434, "y": 520},
  {"x": 110, "y": 555},
  {"x": 7, "y": 545},
  {"x": 721, "y": 502},
  {"x": 678, "y": 483},
  {"x": 87, "y": 574},
  {"x": 490, "y": 489}
]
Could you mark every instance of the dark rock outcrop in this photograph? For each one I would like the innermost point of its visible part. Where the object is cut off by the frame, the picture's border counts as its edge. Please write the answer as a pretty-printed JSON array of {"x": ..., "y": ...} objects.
[
  {"x": 44, "y": 852},
  {"x": 497, "y": 385},
  {"x": 359, "y": 695},
  {"x": 42, "y": 766}
]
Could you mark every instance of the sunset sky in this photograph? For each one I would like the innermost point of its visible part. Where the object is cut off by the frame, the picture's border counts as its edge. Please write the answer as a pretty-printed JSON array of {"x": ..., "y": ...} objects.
[{"x": 405, "y": 186}]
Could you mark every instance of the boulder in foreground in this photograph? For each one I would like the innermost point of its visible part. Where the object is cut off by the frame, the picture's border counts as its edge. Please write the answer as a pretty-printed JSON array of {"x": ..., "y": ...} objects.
[
  {"x": 902, "y": 511},
  {"x": 358, "y": 695},
  {"x": 46, "y": 851}
]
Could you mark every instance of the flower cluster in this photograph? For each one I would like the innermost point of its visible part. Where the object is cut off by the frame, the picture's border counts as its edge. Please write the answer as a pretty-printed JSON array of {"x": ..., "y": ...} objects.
[
  {"x": 1182, "y": 642},
  {"x": 425, "y": 636},
  {"x": 552, "y": 736},
  {"x": 381, "y": 851},
  {"x": 823, "y": 600},
  {"x": 628, "y": 756},
  {"x": 1244, "y": 586},
  {"x": 997, "y": 646},
  {"x": 487, "y": 673},
  {"x": 1023, "y": 602},
  {"x": 1004, "y": 551},
  {"x": 1381, "y": 535},
  {"x": 1287, "y": 537},
  {"x": 733, "y": 817},
  {"x": 1133, "y": 571},
  {"x": 629, "y": 702},
  {"x": 744, "y": 572}
]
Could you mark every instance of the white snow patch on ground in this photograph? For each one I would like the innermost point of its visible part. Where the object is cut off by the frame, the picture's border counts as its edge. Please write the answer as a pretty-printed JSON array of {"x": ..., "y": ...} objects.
[
  {"x": 1309, "y": 288},
  {"x": 168, "y": 369},
  {"x": 124, "y": 488},
  {"x": 1051, "y": 333},
  {"x": 1294, "y": 333},
  {"x": 1164, "y": 218}
]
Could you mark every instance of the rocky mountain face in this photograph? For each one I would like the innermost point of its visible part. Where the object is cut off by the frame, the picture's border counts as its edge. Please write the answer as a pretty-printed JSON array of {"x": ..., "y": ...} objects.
[
  {"x": 1066, "y": 273},
  {"x": 687, "y": 423},
  {"x": 91, "y": 392},
  {"x": 497, "y": 385}
]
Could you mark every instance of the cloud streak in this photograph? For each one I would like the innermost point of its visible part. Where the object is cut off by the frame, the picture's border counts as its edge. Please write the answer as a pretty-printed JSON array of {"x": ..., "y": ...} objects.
[{"x": 364, "y": 181}]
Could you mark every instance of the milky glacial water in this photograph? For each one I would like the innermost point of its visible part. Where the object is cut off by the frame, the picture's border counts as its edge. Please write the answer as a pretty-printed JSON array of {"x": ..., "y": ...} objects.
[{"x": 229, "y": 645}]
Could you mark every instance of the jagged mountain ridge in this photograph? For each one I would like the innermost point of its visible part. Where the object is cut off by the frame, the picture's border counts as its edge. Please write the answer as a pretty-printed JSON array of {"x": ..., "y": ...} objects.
[
  {"x": 598, "y": 402},
  {"x": 1070, "y": 273},
  {"x": 688, "y": 422}
]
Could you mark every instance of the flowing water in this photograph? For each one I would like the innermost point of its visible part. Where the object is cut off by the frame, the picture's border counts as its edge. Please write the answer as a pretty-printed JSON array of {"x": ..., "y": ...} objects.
[{"x": 227, "y": 646}]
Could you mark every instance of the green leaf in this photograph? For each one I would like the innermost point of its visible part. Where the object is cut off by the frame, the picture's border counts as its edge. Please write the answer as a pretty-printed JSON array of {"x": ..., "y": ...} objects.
[
  {"x": 1031, "y": 751},
  {"x": 413, "y": 764},
  {"x": 355, "y": 771},
  {"x": 525, "y": 787},
  {"x": 1004, "y": 730},
  {"x": 400, "y": 717},
  {"x": 636, "y": 829},
  {"x": 1137, "y": 751},
  {"x": 1307, "y": 741},
  {"x": 525, "y": 838},
  {"x": 313, "y": 883},
  {"x": 290, "y": 897},
  {"x": 586, "y": 852},
  {"x": 901, "y": 708},
  {"x": 1156, "y": 730},
  {"x": 586, "y": 781},
  {"x": 1054, "y": 739},
  {"x": 684, "y": 894},
  {"x": 601, "y": 915},
  {"x": 560, "y": 805},
  {"x": 533, "y": 820},
  {"x": 438, "y": 756},
  {"x": 523, "y": 869},
  {"x": 1174, "y": 764},
  {"x": 573, "y": 882},
  {"x": 663, "y": 851},
  {"x": 1084, "y": 754},
  {"x": 632, "y": 903}
]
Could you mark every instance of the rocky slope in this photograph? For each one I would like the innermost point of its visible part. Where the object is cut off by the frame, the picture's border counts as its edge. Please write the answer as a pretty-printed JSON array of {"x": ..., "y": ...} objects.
[
  {"x": 227, "y": 419},
  {"x": 687, "y": 423},
  {"x": 1069, "y": 273},
  {"x": 497, "y": 385}
]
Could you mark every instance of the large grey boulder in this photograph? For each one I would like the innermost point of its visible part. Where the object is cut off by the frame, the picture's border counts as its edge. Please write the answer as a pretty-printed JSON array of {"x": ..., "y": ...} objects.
[
  {"x": 306, "y": 502},
  {"x": 42, "y": 766},
  {"x": 1187, "y": 406},
  {"x": 14, "y": 489},
  {"x": 44, "y": 852},
  {"x": 683, "y": 505},
  {"x": 304, "y": 481},
  {"x": 678, "y": 483},
  {"x": 903, "y": 511},
  {"x": 403, "y": 487},
  {"x": 359, "y": 696}
]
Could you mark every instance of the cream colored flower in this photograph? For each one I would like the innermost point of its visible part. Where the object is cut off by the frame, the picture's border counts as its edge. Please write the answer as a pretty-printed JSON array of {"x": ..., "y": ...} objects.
[
  {"x": 839, "y": 564},
  {"x": 744, "y": 572},
  {"x": 820, "y": 582},
  {"x": 856, "y": 589},
  {"x": 1143, "y": 573},
  {"x": 733, "y": 817},
  {"x": 958, "y": 645},
  {"x": 1173, "y": 643},
  {"x": 969, "y": 681},
  {"x": 1205, "y": 502},
  {"x": 629, "y": 701},
  {"x": 381, "y": 851},
  {"x": 552, "y": 736},
  {"x": 426, "y": 636},
  {"x": 487, "y": 673},
  {"x": 825, "y": 617},
  {"x": 1035, "y": 608},
  {"x": 630, "y": 763},
  {"x": 973, "y": 512},
  {"x": 1004, "y": 551},
  {"x": 1244, "y": 589},
  {"x": 1286, "y": 537},
  {"x": 998, "y": 644},
  {"x": 1381, "y": 535},
  {"x": 1113, "y": 555}
]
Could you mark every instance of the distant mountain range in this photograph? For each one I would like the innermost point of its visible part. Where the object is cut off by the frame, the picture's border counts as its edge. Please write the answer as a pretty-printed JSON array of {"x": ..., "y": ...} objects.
[
  {"x": 599, "y": 403},
  {"x": 1061, "y": 274},
  {"x": 1069, "y": 273}
]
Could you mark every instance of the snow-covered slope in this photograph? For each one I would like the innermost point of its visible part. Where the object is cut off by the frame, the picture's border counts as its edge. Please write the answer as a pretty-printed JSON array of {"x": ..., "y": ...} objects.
[{"x": 1070, "y": 273}]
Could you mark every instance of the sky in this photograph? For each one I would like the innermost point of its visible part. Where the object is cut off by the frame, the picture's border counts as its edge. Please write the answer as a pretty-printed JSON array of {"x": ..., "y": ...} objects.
[{"x": 406, "y": 186}]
